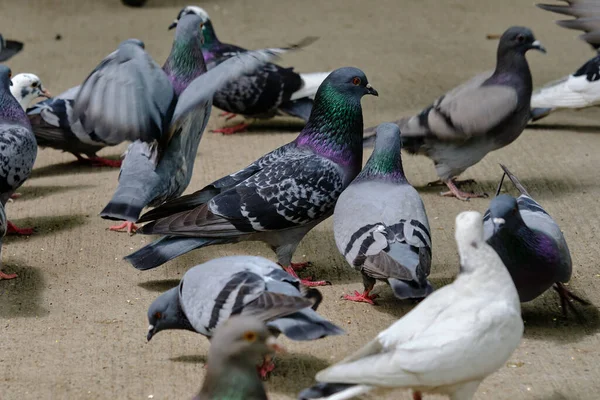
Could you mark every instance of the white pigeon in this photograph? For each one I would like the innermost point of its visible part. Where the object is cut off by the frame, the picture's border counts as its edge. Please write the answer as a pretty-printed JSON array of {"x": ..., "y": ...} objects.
[
  {"x": 450, "y": 342},
  {"x": 26, "y": 88}
]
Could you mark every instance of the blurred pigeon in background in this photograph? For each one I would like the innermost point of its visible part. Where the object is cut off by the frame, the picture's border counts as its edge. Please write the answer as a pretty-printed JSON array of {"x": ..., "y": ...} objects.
[
  {"x": 449, "y": 343},
  {"x": 482, "y": 115},
  {"x": 270, "y": 90},
  {"x": 9, "y": 48},
  {"x": 380, "y": 224},
  {"x": 530, "y": 244},
  {"x": 280, "y": 197}
]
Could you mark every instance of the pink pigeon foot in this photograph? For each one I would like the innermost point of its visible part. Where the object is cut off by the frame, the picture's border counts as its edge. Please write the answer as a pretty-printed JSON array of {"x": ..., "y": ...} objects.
[
  {"x": 363, "y": 297},
  {"x": 265, "y": 368},
  {"x": 126, "y": 226},
  {"x": 232, "y": 129},
  {"x": 305, "y": 281},
  {"x": 228, "y": 115},
  {"x": 105, "y": 162},
  {"x": 15, "y": 196},
  {"x": 459, "y": 194},
  {"x": 12, "y": 229},
  {"x": 7, "y": 276},
  {"x": 299, "y": 266}
]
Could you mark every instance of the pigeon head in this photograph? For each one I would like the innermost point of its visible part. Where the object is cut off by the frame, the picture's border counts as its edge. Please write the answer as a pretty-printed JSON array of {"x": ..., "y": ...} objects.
[
  {"x": 166, "y": 313},
  {"x": 190, "y": 10},
  {"x": 242, "y": 339},
  {"x": 385, "y": 161},
  {"x": 504, "y": 213},
  {"x": 26, "y": 88},
  {"x": 469, "y": 231},
  {"x": 189, "y": 26},
  {"x": 5, "y": 77},
  {"x": 518, "y": 39},
  {"x": 348, "y": 81}
]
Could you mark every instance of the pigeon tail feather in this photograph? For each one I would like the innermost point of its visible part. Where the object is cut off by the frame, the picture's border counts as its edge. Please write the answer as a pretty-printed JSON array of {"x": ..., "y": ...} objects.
[{"x": 333, "y": 391}]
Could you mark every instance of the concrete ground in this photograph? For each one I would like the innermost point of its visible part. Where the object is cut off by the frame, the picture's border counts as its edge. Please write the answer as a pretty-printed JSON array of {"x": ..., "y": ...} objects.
[{"x": 73, "y": 325}]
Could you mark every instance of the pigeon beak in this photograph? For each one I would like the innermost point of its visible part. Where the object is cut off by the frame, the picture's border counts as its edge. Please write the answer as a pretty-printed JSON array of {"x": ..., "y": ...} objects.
[
  {"x": 151, "y": 332},
  {"x": 538, "y": 46},
  {"x": 173, "y": 25},
  {"x": 45, "y": 93},
  {"x": 498, "y": 222},
  {"x": 371, "y": 90},
  {"x": 274, "y": 346}
]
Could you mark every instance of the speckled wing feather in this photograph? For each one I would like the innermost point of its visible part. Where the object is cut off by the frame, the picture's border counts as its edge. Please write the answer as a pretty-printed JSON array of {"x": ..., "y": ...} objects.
[{"x": 18, "y": 151}]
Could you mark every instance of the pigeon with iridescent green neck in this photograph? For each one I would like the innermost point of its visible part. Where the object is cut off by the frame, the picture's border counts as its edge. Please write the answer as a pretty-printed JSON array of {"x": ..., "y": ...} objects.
[
  {"x": 380, "y": 224},
  {"x": 280, "y": 197}
]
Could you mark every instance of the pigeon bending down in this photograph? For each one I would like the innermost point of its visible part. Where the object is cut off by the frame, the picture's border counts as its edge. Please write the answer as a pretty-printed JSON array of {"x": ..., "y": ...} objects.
[
  {"x": 9, "y": 48},
  {"x": 278, "y": 198},
  {"x": 18, "y": 149},
  {"x": 380, "y": 224},
  {"x": 449, "y": 343},
  {"x": 530, "y": 244},
  {"x": 269, "y": 91},
  {"x": 482, "y": 115},
  {"x": 231, "y": 372},
  {"x": 210, "y": 293},
  {"x": 162, "y": 111},
  {"x": 582, "y": 88}
]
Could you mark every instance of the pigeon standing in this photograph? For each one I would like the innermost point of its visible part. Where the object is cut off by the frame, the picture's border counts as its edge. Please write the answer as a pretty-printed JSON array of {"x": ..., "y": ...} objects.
[
  {"x": 482, "y": 115},
  {"x": 530, "y": 244},
  {"x": 582, "y": 88},
  {"x": 18, "y": 148},
  {"x": 278, "y": 198},
  {"x": 380, "y": 224},
  {"x": 210, "y": 293},
  {"x": 26, "y": 88},
  {"x": 163, "y": 111},
  {"x": 9, "y": 48},
  {"x": 449, "y": 343},
  {"x": 231, "y": 374},
  {"x": 269, "y": 91}
]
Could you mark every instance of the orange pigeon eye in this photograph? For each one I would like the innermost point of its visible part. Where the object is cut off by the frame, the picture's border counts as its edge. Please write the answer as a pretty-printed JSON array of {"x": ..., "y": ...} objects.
[
  {"x": 157, "y": 315},
  {"x": 250, "y": 336},
  {"x": 356, "y": 81}
]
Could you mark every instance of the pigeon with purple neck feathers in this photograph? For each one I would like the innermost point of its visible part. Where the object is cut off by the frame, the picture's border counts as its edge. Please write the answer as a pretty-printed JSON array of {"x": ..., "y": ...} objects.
[
  {"x": 482, "y": 115},
  {"x": 163, "y": 111},
  {"x": 9, "y": 48},
  {"x": 280, "y": 197},
  {"x": 380, "y": 224},
  {"x": 18, "y": 149},
  {"x": 210, "y": 293},
  {"x": 269, "y": 91},
  {"x": 530, "y": 244}
]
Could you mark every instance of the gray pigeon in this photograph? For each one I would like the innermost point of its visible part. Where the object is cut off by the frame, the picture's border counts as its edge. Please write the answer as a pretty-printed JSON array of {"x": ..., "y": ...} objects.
[
  {"x": 482, "y": 115},
  {"x": 530, "y": 244},
  {"x": 163, "y": 111},
  {"x": 380, "y": 224},
  {"x": 210, "y": 293},
  {"x": 18, "y": 148},
  {"x": 280, "y": 197},
  {"x": 449, "y": 343},
  {"x": 9, "y": 48},
  {"x": 3, "y": 225},
  {"x": 231, "y": 372}
]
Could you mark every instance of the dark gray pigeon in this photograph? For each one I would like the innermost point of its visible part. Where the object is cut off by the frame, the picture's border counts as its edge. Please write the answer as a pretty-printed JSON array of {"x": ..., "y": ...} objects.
[
  {"x": 9, "y": 48},
  {"x": 18, "y": 148},
  {"x": 280, "y": 197},
  {"x": 530, "y": 244},
  {"x": 380, "y": 224},
  {"x": 582, "y": 88},
  {"x": 269, "y": 91},
  {"x": 482, "y": 115},
  {"x": 163, "y": 111},
  {"x": 3, "y": 228},
  {"x": 231, "y": 372},
  {"x": 210, "y": 293}
]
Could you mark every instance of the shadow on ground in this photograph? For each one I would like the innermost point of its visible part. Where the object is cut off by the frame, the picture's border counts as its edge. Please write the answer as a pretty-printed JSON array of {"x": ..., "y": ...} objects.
[
  {"x": 46, "y": 225},
  {"x": 32, "y": 192},
  {"x": 70, "y": 168},
  {"x": 566, "y": 127},
  {"x": 159, "y": 285},
  {"x": 21, "y": 297}
]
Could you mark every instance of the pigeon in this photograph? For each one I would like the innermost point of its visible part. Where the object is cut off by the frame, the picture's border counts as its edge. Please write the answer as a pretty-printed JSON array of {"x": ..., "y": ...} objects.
[
  {"x": 26, "y": 88},
  {"x": 9, "y": 48},
  {"x": 3, "y": 229},
  {"x": 231, "y": 374},
  {"x": 269, "y": 91},
  {"x": 449, "y": 343},
  {"x": 162, "y": 111},
  {"x": 582, "y": 88},
  {"x": 18, "y": 148},
  {"x": 530, "y": 244},
  {"x": 380, "y": 224},
  {"x": 278, "y": 198},
  {"x": 484, "y": 114},
  {"x": 210, "y": 293}
]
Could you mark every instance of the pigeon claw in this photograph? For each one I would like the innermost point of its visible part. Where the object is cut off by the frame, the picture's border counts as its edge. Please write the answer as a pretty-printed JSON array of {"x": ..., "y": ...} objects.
[
  {"x": 7, "y": 276},
  {"x": 299, "y": 266},
  {"x": 305, "y": 281},
  {"x": 105, "y": 162},
  {"x": 12, "y": 229},
  {"x": 228, "y": 115},
  {"x": 417, "y": 396},
  {"x": 459, "y": 194},
  {"x": 566, "y": 299},
  {"x": 265, "y": 369},
  {"x": 363, "y": 297},
  {"x": 15, "y": 196},
  {"x": 232, "y": 129},
  {"x": 126, "y": 226}
]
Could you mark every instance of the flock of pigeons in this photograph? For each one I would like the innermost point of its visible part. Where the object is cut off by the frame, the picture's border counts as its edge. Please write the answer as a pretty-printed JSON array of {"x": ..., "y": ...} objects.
[{"x": 512, "y": 254}]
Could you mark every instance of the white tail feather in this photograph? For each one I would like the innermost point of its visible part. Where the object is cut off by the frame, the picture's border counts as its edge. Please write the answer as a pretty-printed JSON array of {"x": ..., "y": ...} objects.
[
  {"x": 572, "y": 92},
  {"x": 310, "y": 85},
  {"x": 350, "y": 392}
]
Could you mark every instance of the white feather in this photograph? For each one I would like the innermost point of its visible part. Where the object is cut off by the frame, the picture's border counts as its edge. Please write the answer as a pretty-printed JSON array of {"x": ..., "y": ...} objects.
[
  {"x": 310, "y": 85},
  {"x": 569, "y": 92}
]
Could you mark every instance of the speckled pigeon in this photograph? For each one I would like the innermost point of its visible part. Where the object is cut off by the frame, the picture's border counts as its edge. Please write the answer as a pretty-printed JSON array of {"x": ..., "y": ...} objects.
[
  {"x": 482, "y": 115},
  {"x": 530, "y": 244},
  {"x": 449, "y": 343},
  {"x": 582, "y": 88},
  {"x": 380, "y": 224},
  {"x": 278, "y": 198},
  {"x": 26, "y": 88},
  {"x": 163, "y": 111},
  {"x": 269, "y": 91},
  {"x": 9, "y": 48},
  {"x": 210, "y": 293},
  {"x": 18, "y": 149}
]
